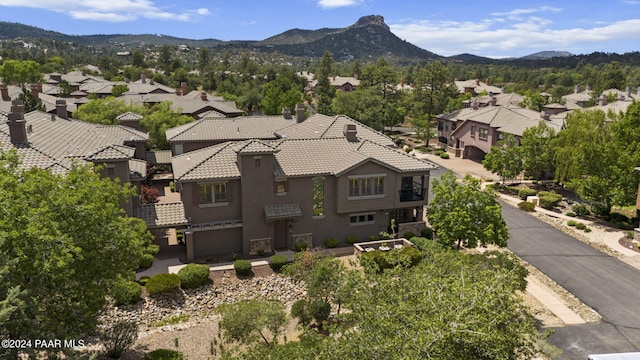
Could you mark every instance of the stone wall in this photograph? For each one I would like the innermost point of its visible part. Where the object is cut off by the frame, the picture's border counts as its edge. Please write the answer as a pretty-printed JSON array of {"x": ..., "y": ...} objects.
[
  {"x": 414, "y": 227},
  {"x": 257, "y": 244},
  {"x": 305, "y": 238}
]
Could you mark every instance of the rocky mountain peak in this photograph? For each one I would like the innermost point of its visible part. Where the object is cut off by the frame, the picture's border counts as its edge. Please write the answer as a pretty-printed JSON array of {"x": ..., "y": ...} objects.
[{"x": 371, "y": 20}]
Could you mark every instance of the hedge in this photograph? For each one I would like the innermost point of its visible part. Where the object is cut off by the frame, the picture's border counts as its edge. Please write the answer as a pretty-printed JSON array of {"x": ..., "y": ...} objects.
[
  {"x": 242, "y": 267},
  {"x": 163, "y": 283},
  {"x": 444, "y": 155},
  {"x": 580, "y": 210},
  {"x": 164, "y": 354},
  {"x": 351, "y": 239},
  {"x": 331, "y": 243},
  {"x": 193, "y": 275},
  {"x": 549, "y": 199},
  {"x": 525, "y": 192},
  {"x": 277, "y": 262},
  {"x": 126, "y": 292},
  {"x": 300, "y": 246},
  {"x": 526, "y": 206}
]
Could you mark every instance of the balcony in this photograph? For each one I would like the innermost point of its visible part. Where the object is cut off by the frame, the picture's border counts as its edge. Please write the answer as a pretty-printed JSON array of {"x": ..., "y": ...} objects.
[{"x": 413, "y": 194}]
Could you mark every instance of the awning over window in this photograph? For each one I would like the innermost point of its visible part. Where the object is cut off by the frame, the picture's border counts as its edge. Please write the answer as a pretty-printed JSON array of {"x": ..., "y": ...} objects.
[{"x": 284, "y": 211}]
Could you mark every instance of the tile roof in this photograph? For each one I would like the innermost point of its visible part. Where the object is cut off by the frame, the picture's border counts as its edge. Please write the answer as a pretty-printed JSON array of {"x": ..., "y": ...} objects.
[
  {"x": 159, "y": 157},
  {"x": 224, "y": 129},
  {"x": 111, "y": 152},
  {"x": 183, "y": 104},
  {"x": 129, "y": 116},
  {"x": 161, "y": 214},
  {"x": 138, "y": 168},
  {"x": 477, "y": 86},
  {"x": 255, "y": 147},
  {"x": 508, "y": 119},
  {"x": 282, "y": 211},
  {"x": 342, "y": 80},
  {"x": 125, "y": 133},
  {"x": 295, "y": 157}
]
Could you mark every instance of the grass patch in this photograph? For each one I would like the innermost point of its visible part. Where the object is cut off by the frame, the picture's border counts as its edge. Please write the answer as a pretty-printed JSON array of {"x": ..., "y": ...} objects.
[{"x": 171, "y": 320}]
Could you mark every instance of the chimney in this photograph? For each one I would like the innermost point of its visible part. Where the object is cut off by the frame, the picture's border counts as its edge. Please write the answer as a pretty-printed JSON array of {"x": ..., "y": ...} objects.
[
  {"x": 627, "y": 90},
  {"x": 494, "y": 100},
  {"x": 486, "y": 81},
  {"x": 17, "y": 123},
  {"x": 576, "y": 89},
  {"x": 178, "y": 91},
  {"x": 545, "y": 115},
  {"x": 587, "y": 88},
  {"x": 355, "y": 76},
  {"x": 474, "y": 105},
  {"x": 603, "y": 100},
  {"x": 286, "y": 113},
  {"x": 35, "y": 91},
  {"x": 350, "y": 132},
  {"x": 53, "y": 117},
  {"x": 300, "y": 113},
  {"x": 143, "y": 78},
  {"x": 61, "y": 109},
  {"x": 183, "y": 85},
  {"x": 203, "y": 96},
  {"x": 477, "y": 82},
  {"x": 151, "y": 82},
  {"x": 4, "y": 92},
  {"x": 126, "y": 80}
]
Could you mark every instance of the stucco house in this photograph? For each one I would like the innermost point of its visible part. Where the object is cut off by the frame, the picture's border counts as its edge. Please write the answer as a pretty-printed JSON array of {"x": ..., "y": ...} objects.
[
  {"x": 243, "y": 196},
  {"x": 345, "y": 83}
]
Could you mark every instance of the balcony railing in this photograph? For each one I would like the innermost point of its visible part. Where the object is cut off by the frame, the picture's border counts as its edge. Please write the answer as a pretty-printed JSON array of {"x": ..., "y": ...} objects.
[{"x": 415, "y": 194}]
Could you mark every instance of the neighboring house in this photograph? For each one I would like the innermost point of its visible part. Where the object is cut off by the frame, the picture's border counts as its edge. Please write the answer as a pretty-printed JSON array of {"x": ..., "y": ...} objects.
[
  {"x": 476, "y": 87},
  {"x": 55, "y": 142},
  {"x": 501, "y": 99},
  {"x": 470, "y": 132},
  {"x": 192, "y": 104},
  {"x": 578, "y": 99},
  {"x": 345, "y": 83},
  {"x": 215, "y": 130},
  {"x": 243, "y": 196}
]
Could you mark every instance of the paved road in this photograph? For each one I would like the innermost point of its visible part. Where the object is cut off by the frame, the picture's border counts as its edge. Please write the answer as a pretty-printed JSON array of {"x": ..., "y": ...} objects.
[{"x": 609, "y": 286}]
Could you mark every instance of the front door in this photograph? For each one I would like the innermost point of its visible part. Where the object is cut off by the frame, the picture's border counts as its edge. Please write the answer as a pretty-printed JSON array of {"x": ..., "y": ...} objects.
[{"x": 280, "y": 234}]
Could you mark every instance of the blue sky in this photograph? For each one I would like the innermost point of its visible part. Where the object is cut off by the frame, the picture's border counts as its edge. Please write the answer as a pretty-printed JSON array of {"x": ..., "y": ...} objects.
[{"x": 495, "y": 28}]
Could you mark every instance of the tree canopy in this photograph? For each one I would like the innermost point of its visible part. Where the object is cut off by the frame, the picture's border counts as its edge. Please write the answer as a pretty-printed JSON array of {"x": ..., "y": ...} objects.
[
  {"x": 462, "y": 214},
  {"x": 63, "y": 241},
  {"x": 505, "y": 158}
]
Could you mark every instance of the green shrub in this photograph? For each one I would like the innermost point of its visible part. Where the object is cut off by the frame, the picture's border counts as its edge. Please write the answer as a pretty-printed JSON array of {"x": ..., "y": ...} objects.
[
  {"x": 331, "y": 243},
  {"x": 163, "y": 283},
  {"x": 549, "y": 200},
  {"x": 118, "y": 337},
  {"x": 164, "y": 354},
  {"x": 300, "y": 246},
  {"x": 488, "y": 180},
  {"x": 379, "y": 260},
  {"x": 581, "y": 226},
  {"x": 526, "y": 206},
  {"x": 427, "y": 233},
  {"x": 490, "y": 187},
  {"x": 143, "y": 280},
  {"x": 600, "y": 210},
  {"x": 572, "y": 223},
  {"x": 320, "y": 310},
  {"x": 374, "y": 260},
  {"x": 299, "y": 309},
  {"x": 126, "y": 292},
  {"x": 351, "y": 239},
  {"x": 146, "y": 260},
  {"x": 438, "y": 151},
  {"x": 277, "y": 261},
  {"x": 193, "y": 275},
  {"x": 179, "y": 235},
  {"x": 525, "y": 192},
  {"x": 374, "y": 238},
  {"x": 444, "y": 155},
  {"x": 260, "y": 252},
  {"x": 534, "y": 181},
  {"x": 408, "y": 235},
  {"x": 172, "y": 186},
  {"x": 571, "y": 214},
  {"x": 171, "y": 320},
  {"x": 587, "y": 230},
  {"x": 580, "y": 210},
  {"x": 242, "y": 267},
  {"x": 631, "y": 235},
  {"x": 424, "y": 243}
]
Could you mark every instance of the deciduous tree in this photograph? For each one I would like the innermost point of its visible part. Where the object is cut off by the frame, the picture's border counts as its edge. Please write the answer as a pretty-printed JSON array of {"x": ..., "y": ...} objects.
[{"x": 505, "y": 158}]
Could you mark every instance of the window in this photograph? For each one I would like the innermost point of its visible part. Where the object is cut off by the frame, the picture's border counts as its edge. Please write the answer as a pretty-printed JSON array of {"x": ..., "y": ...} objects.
[
  {"x": 454, "y": 126},
  {"x": 281, "y": 187},
  {"x": 318, "y": 197},
  {"x": 361, "y": 219},
  {"x": 473, "y": 131},
  {"x": 179, "y": 149},
  {"x": 111, "y": 170},
  {"x": 366, "y": 186},
  {"x": 440, "y": 125},
  {"x": 256, "y": 161},
  {"x": 212, "y": 193},
  {"x": 483, "y": 133}
]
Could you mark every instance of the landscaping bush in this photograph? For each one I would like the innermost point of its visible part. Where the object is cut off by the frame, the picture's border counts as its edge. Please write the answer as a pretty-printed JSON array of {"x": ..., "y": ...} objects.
[
  {"x": 143, "y": 280},
  {"x": 117, "y": 338},
  {"x": 600, "y": 210},
  {"x": 146, "y": 260},
  {"x": 581, "y": 226},
  {"x": 408, "y": 235},
  {"x": 242, "y": 267},
  {"x": 163, "y": 283},
  {"x": 572, "y": 223},
  {"x": 277, "y": 262},
  {"x": 351, "y": 239},
  {"x": 427, "y": 233},
  {"x": 126, "y": 292},
  {"x": 300, "y": 310},
  {"x": 526, "y": 206},
  {"x": 631, "y": 235},
  {"x": 300, "y": 246},
  {"x": 523, "y": 193},
  {"x": 587, "y": 230},
  {"x": 580, "y": 210},
  {"x": 375, "y": 260},
  {"x": 444, "y": 155},
  {"x": 193, "y": 275},
  {"x": 423, "y": 243},
  {"x": 549, "y": 199},
  {"x": 331, "y": 243},
  {"x": 407, "y": 256},
  {"x": 374, "y": 238},
  {"x": 438, "y": 151},
  {"x": 320, "y": 310},
  {"x": 571, "y": 214},
  {"x": 164, "y": 354}
]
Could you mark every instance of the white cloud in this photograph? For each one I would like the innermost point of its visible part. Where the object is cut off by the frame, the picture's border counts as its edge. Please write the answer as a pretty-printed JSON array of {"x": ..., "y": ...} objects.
[
  {"x": 328, "y": 4},
  {"x": 109, "y": 11},
  {"x": 527, "y": 11},
  {"x": 500, "y": 37}
]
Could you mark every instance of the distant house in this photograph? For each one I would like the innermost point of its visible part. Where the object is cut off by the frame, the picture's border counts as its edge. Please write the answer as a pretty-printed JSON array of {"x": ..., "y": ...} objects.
[
  {"x": 476, "y": 87},
  {"x": 245, "y": 196},
  {"x": 345, "y": 83}
]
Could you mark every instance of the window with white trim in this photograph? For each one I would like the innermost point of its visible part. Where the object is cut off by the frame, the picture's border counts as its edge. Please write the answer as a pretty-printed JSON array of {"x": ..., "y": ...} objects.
[
  {"x": 361, "y": 219},
  {"x": 366, "y": 186}
]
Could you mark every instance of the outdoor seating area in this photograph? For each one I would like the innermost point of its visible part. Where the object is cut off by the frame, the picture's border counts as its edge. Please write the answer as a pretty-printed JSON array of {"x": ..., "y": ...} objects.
[{"x": 382, "y": 245}]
